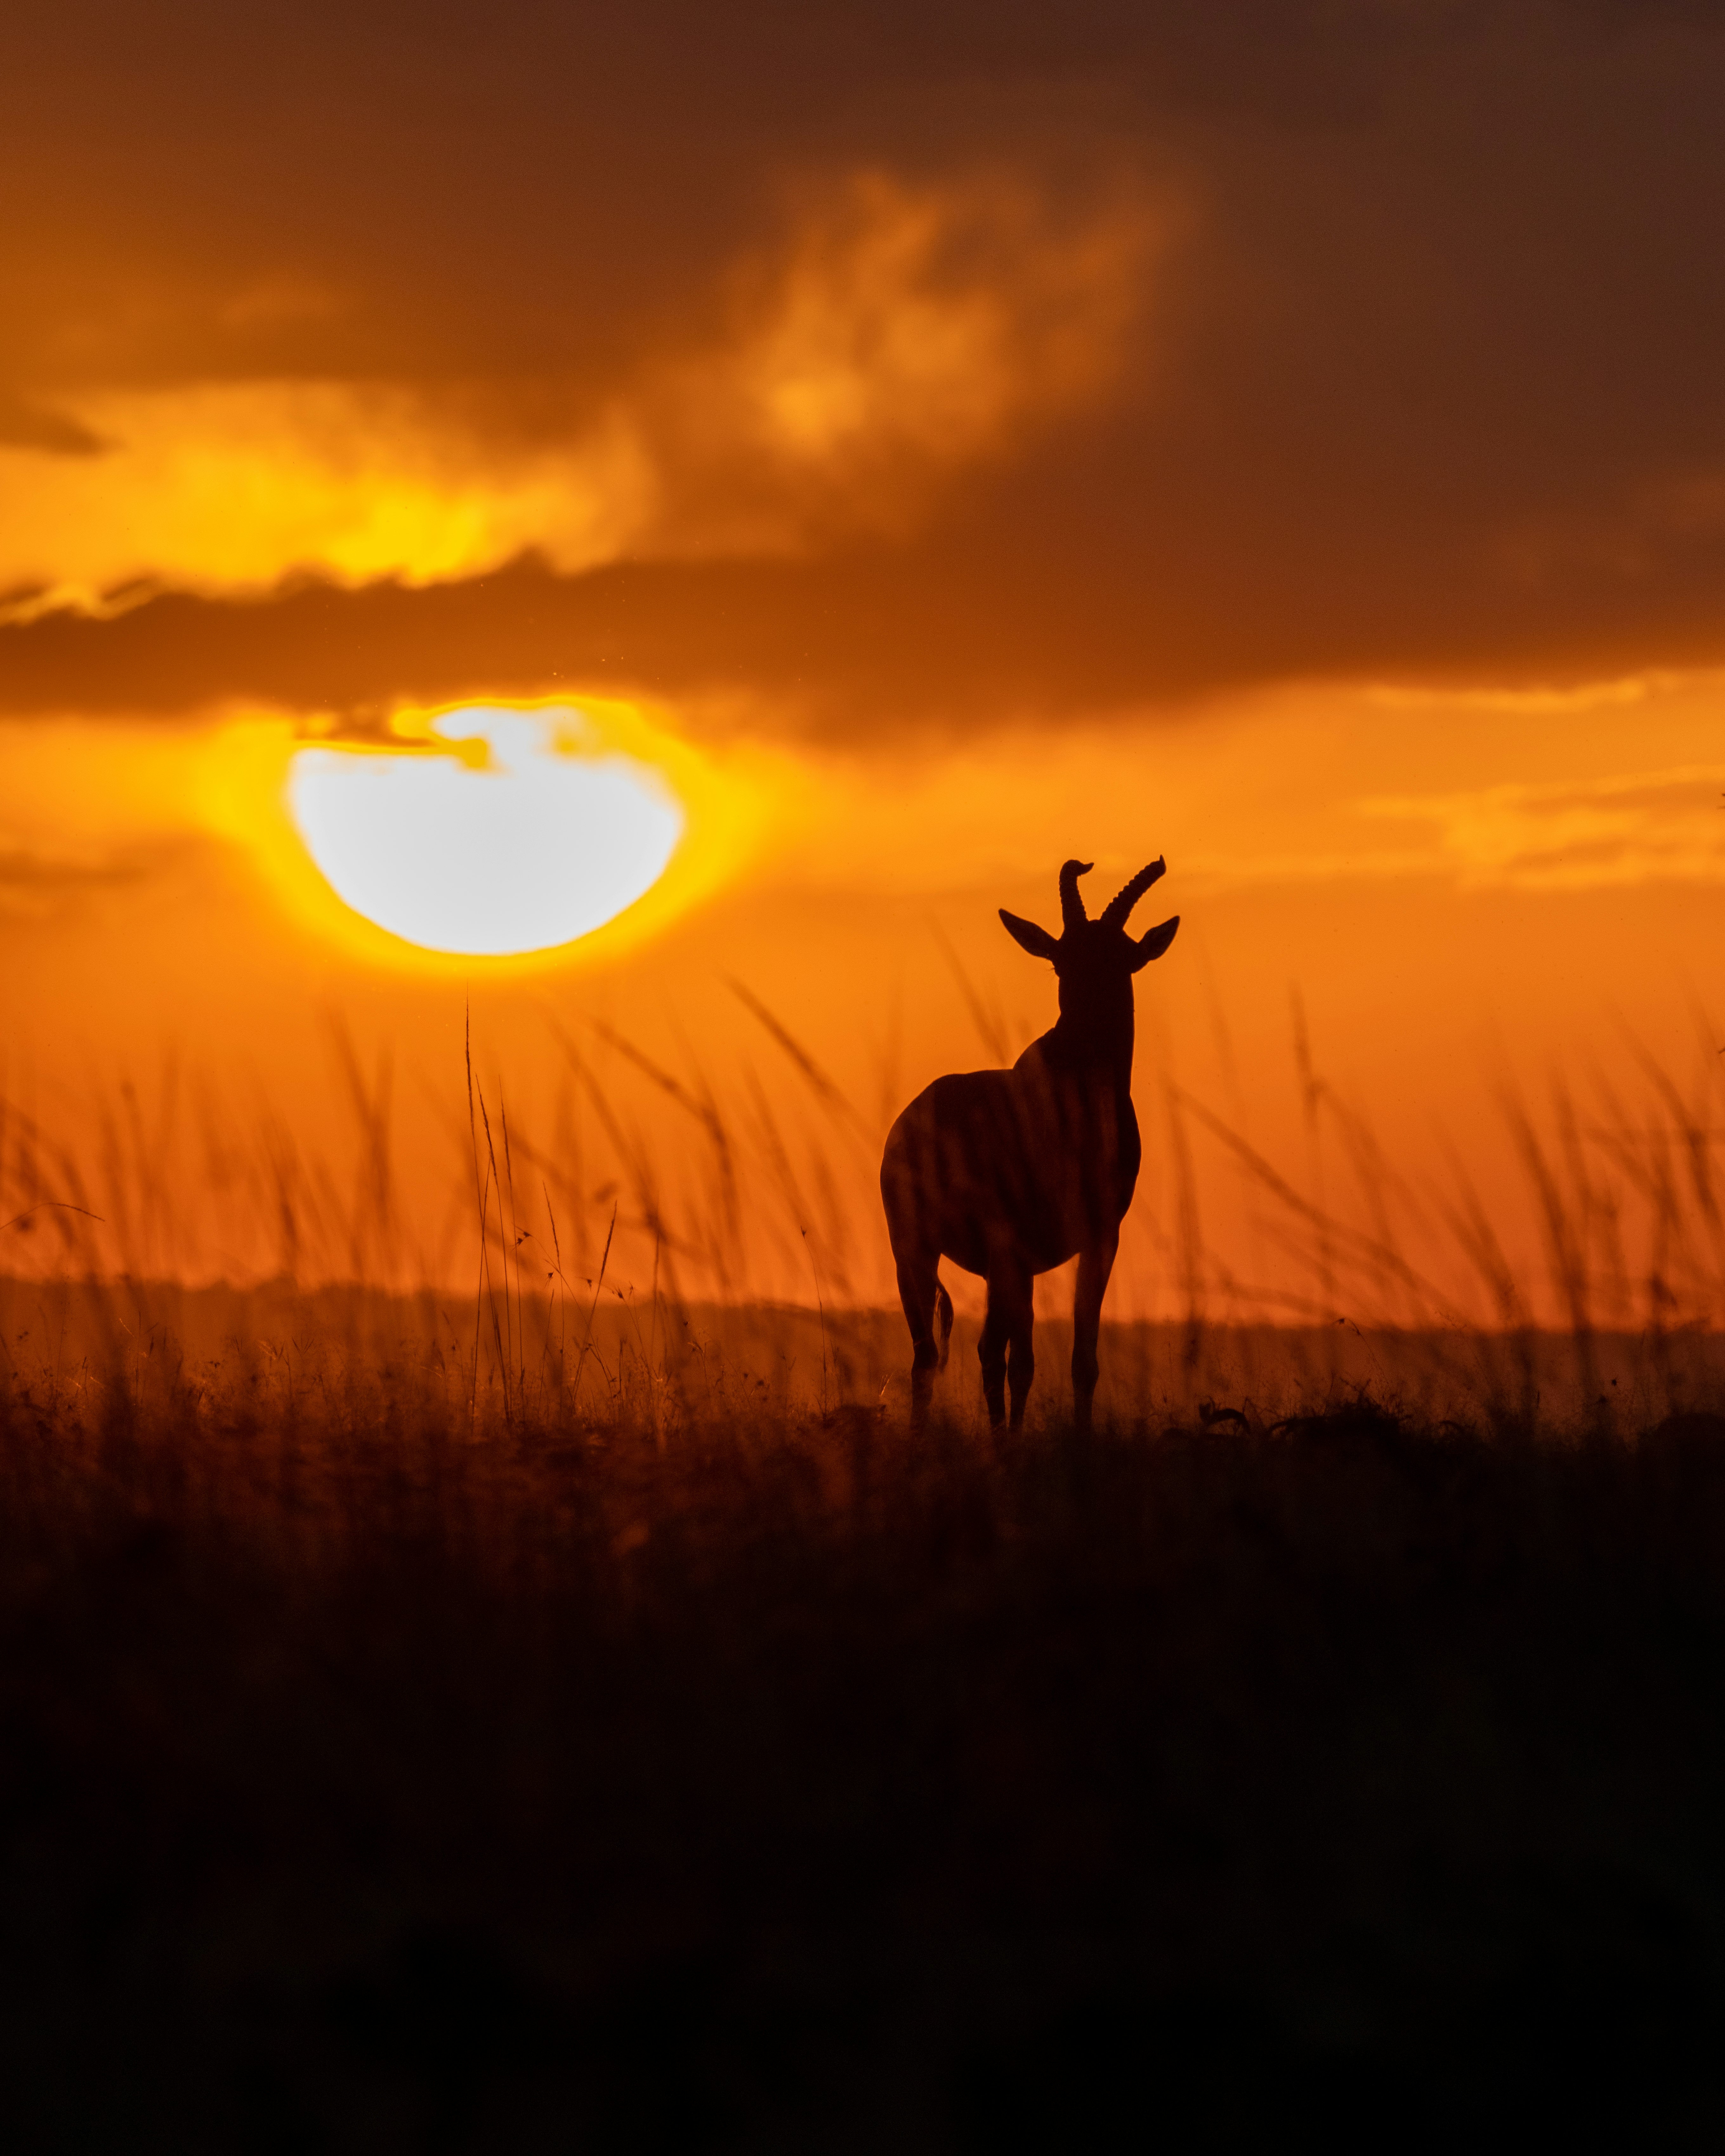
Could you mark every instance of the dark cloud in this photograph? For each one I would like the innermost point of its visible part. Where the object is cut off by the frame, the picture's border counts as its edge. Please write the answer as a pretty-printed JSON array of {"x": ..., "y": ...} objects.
[
  {"x": 1432, "y": 379},
  {"x": 34, "y": 883},
  {"x": 498, "y": 188},
  {"x": 24, "y": 425},
  {"x": 868, "y": 643}
]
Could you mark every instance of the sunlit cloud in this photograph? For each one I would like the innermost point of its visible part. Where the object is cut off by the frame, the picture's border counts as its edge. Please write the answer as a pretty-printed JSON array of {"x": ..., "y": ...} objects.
[
  {"x": 1637, "y": 827},
  {"x": 908, "y": 332},
  {"x": 1542, "y": 699},
  {"x": 237, "y": 484},
  {"x": 896, "y": 336},
  {"x": 1302, "y": 786}
]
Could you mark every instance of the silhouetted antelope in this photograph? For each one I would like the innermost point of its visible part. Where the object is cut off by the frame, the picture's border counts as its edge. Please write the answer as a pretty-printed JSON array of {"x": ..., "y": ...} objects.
[{"x": 1011, "y": 1172}]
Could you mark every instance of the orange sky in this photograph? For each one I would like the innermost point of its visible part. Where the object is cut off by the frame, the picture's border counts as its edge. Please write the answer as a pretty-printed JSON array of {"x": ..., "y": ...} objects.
[{"x": 1293, "y": 446}]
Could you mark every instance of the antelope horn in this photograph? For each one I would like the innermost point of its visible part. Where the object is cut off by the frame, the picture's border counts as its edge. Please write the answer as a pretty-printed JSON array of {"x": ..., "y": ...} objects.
[
  {"x": 1114, "y": 914},
  {"x": 1072, "y": 913}
]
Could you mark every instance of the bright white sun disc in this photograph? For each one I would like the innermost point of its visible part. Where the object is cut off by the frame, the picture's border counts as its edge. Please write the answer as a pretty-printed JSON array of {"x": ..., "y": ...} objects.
[{"x": 534, "y": 851}]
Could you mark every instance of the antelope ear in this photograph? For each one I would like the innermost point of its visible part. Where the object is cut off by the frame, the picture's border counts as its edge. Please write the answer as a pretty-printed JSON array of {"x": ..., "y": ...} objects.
[
  {"x": 1036, "y": 941},
  {"x": 1154, "y": 942}
]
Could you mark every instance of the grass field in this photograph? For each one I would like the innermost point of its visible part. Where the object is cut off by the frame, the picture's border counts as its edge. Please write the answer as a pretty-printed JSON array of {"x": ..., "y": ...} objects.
[
  {"x": 570, "y": 1714},
  {"x": 404, "y": 1750}
]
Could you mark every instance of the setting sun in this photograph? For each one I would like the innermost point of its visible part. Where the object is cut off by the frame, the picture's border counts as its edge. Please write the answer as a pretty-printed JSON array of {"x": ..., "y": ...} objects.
[{"x": 525, "y": 850}]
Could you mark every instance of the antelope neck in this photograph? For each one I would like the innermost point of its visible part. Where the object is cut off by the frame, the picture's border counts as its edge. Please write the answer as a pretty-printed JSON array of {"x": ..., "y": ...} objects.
[{"x": 1094, "y": 1047}]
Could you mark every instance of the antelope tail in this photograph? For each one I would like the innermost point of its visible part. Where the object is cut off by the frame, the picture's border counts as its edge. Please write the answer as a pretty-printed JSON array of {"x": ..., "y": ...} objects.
[{"x": 943, "y": 1307}]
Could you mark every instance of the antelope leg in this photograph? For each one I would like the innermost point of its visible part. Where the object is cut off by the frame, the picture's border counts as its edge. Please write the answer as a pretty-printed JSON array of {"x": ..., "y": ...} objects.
[{"x": 1096, "y": 1261}]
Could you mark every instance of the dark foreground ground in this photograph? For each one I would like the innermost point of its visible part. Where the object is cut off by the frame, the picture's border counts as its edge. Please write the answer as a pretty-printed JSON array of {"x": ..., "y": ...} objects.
[{"x": 792, "y": 1787}]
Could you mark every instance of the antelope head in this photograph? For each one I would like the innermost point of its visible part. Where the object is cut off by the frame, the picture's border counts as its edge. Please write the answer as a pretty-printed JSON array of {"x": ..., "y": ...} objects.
[{"x": 1095, "y": 960}]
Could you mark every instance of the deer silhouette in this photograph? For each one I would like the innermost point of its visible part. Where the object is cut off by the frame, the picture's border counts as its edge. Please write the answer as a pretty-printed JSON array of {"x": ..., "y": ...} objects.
[{"x": 1011, "y": 1172}]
